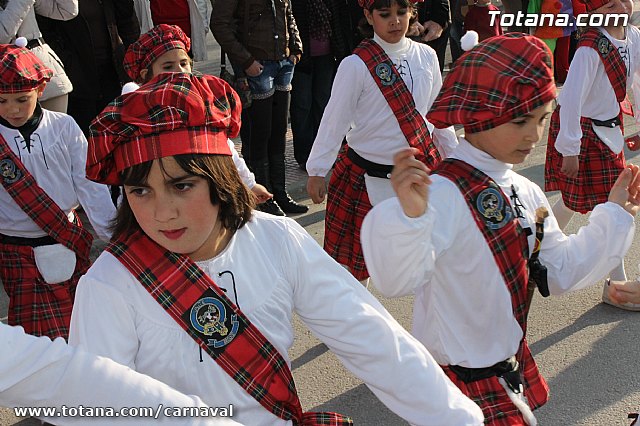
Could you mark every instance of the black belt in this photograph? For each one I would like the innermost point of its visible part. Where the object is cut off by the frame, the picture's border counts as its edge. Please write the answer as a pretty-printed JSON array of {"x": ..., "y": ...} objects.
[
  {"x": 35, "y": 43},
  {"x": 507, "y": 369},
  {"x": 611, "y": 123},
  {"x": 23, "y": 241},
  {"x": 373, "y": 169}
]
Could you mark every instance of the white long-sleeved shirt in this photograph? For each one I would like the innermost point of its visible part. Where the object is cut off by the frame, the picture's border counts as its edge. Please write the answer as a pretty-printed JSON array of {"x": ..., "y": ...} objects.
[
  {"x": 36, "y": 372},
  {"x": 288, "y": 271},
  {"x": 463, "y": 311},
  {"x": 247, "y": 177},
  {"x": 57, "y": 161},
  {"x": 587, "y": 91},
  {"x": 358, "y": 109}
]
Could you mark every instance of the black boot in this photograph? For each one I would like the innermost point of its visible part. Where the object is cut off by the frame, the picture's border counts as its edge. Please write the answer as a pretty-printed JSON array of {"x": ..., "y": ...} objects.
[
  {"x": 261, "y": 171},
  {"x": 277, "y": 174}
]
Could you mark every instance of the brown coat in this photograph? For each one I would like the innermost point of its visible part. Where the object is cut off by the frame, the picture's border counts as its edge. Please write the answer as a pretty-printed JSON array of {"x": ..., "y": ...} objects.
[{"x": 247, "y": 30}]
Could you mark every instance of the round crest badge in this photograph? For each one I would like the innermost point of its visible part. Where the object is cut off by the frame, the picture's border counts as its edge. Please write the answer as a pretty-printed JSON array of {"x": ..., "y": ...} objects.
[
  {"x": 10, "y": 172},
  {"x": 604, "y": 47},
  {"x": 493, "y": 208},
  {"x": 385, "y": 74},
  {"x": 209, "y": 317}
]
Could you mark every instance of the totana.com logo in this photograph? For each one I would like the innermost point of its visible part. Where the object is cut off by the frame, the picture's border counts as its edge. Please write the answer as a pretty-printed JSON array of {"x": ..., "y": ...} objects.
[{"x": 521, "y": 19}]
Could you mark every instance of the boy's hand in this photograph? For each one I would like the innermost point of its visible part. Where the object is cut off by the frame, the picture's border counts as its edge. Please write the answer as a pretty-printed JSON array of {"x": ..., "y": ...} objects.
[
  {"x": 410, "y": 180},
  {"x": 626, "y": 191},
  {"x": 570, "y": 166},
  {"x": 261, "y": 193},
  {"x": 316, "y": 188},
  {"x": 624, "y": 291},
  {"x": 633, "y": 142}
]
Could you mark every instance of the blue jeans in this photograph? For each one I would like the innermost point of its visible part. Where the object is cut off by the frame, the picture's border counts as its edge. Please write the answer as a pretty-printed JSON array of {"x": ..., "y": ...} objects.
[
  {"x": 276, "y": 75},
  {"x": 309, "y": 96}
]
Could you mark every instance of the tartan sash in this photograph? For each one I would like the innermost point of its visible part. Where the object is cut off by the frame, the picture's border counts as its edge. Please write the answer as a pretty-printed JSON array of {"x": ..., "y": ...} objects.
[
  {"x": 218, "y": 326},
  {"x": 614, "y": 65},
  {"x": 395, "y": 91},
  {"x": 34, "y": 201}
]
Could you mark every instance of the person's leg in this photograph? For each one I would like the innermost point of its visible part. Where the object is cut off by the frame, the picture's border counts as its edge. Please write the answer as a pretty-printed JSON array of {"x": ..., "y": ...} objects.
[
  {"x": 440, "y": 46},
  {"x": 455, "y": 34},
  {"x": 323, "y": 74},
  {"x": 302, "y": 99},
  {"x": 562, "y": 213}
]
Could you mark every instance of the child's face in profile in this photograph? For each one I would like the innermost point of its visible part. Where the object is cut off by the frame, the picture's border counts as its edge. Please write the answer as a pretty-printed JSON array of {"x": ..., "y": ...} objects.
[
  {"x": 17, "y": 108},
  {"x": 513, "y": 141},
  {"x": 175, "y": 60},
  {"x": 390, "y": 23},
  {"x": 174, "y": 209}
]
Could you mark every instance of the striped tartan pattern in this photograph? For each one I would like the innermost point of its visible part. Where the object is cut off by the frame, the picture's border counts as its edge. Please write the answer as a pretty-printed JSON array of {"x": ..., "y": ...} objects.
[
  {"x": 347, "y": 205},
  {"x": 177, "y": 283},
  {"x": 599, "y": 168},
  {"x": 614, "y": 66},
  {"x": 510, "y": 251},
  {"x": 41, "y": 208},
  {"x": 21, "y": 70},
  {"x": 400, "y": 99}
]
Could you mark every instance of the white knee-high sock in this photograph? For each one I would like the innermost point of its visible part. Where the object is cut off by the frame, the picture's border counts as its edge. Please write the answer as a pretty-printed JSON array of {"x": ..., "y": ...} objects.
[{"x": 562, "y": 213}]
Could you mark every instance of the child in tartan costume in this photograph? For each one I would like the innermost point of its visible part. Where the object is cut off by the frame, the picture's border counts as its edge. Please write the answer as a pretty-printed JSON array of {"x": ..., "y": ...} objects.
[
  {"x": 585, "y": 145},
  {"x": 460, "y": 239},
  {"x": 360, "y": 109},
  {"x": 187, "y": 207},
  {"x": 43, "y": 176}
]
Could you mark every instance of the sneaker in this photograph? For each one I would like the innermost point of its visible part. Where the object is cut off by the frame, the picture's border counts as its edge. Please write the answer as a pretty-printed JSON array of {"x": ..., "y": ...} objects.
[
  {"x": 626, "y": 306},
  {"x": 271, "y": 207},
  {"x": 289, "y": 206}
]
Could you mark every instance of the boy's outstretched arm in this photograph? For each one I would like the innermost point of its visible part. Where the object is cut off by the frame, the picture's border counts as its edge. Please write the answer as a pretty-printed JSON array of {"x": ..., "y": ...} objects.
[{"x": 410, "y": 180}]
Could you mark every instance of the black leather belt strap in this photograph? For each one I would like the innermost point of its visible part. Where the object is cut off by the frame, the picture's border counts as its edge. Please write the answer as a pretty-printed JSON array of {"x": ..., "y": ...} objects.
[
  {"x": 373, "y": 169},
  {"x": 611, "y": 123},
  {"x": 23, "y": 241},
  {"x": 469, "y": 375}
]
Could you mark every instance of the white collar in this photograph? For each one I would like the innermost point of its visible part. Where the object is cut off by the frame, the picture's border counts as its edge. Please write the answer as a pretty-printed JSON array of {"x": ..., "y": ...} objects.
[
  {"x": 393, "y": 48},
  {"x": 496, "y": 169}
]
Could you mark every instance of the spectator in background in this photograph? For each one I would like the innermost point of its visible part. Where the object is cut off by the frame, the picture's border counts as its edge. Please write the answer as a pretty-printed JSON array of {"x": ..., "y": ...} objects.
[
  {"x": 479, "y": 20},
  {"x": 433, "y": 15},
  {"x": 18, "y": 19},
  {"x": 92, "y": 47},
  {"x": 324, "y": 28},
  {"x": 262, "y": 38}
]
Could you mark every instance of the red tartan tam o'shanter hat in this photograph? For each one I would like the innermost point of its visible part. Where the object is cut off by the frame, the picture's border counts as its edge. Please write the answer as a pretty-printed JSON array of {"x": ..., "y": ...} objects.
[
  {"x": 20, "y": 69},
  {"x": 367, "y": 4},
  {"x": 500, "y": 79},
  {"x": 172, "y": 114},
  {"x": 151, "y": 45}
]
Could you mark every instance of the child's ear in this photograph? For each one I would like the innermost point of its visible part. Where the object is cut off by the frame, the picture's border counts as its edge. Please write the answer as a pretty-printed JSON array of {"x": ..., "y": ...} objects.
[
  {"x": 143, "y": 74},
  {"x": 369, "y": 17},
  {"x": 40, "y": 89}
]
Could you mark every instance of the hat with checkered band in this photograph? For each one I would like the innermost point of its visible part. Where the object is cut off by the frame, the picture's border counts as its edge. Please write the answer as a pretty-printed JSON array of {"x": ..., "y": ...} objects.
[
  {"x": 21, "y": 70},
  {"x": 151, "y": 45},
  {"x": 174, "y": 113},
  {"x": 498, "y": 80}
]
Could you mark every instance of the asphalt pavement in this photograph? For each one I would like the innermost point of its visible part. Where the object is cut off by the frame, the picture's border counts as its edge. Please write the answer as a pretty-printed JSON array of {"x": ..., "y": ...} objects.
[{"x": 587, "y": 351}]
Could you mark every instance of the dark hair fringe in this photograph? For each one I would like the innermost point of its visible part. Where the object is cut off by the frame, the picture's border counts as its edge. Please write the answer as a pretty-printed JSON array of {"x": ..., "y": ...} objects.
[
  {"x": 226, "y": 190},
  {"x": 367, "y": 30}
]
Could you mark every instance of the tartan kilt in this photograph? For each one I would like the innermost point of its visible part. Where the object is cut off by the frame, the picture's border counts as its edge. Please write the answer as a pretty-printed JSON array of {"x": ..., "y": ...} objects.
[
  {"x": 489, "y": 394},
  {"x": 599, "y": 168},
  {"x": 347, "y": 205},
  {"x": 41, "y": 309}
]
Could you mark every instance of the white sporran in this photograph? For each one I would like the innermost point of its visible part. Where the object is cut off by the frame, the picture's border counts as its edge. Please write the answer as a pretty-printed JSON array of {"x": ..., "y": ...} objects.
[{"x": 55, "y": 263}]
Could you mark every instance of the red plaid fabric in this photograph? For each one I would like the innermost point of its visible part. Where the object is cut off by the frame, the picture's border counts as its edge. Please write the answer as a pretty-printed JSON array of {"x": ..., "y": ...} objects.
[
  {"x": 32, "y": 199},
  {"x": 368, "y": 4},
  {"x": 41, "y": 309},
  {"x": 182, "y": 288},
  {"x": 347, "y": 205},
  {"x": 594, "y": 4},
  {"x": 21, "y": 70},
  {"x": 157, "y": 41},
  {"x": 510, "y": 250},
  {"x": 400, "y": 99},
  {"x": 614, "y": 65},
  {"x": 172, "y": 114},
  {"x": 500, "y": 79},
  {"x": 599, "y": 168}
]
